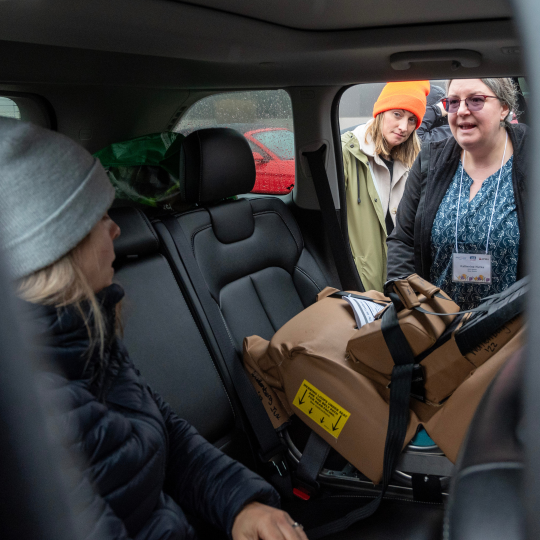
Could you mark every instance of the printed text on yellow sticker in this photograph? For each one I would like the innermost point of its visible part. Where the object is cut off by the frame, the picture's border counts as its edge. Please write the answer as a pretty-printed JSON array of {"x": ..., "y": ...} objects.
[{"x": 321, "y": 409}]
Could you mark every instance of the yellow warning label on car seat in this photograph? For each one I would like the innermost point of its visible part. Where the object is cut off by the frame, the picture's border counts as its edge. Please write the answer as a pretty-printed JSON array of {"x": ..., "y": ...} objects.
[{"x": 324, "y": 411}]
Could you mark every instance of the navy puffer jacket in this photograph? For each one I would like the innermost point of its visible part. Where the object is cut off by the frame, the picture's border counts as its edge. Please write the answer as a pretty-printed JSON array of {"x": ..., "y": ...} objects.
[{"x": 144, "y": 462}]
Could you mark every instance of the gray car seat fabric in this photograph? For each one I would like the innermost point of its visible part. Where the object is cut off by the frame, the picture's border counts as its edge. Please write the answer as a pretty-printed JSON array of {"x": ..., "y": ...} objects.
[{"x": 161, "y": 334}]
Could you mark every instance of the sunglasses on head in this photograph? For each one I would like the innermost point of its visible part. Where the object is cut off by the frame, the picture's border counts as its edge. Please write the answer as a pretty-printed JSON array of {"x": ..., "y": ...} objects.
[{"x": 474, "y": 103}]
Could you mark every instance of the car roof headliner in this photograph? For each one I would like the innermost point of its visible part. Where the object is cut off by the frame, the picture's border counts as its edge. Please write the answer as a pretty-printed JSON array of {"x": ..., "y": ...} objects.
[
  {"x": 347, "y": 14},
  {"x": 166, "y": 43}
]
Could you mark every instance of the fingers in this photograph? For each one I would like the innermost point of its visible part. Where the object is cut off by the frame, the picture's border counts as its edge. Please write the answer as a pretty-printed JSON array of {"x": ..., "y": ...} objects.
[
  {"x": 260, "y": 522},
  {"x": 290, "y": 532}
]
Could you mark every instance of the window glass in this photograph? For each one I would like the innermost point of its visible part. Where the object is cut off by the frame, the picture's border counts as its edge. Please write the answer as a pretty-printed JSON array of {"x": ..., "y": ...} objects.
[
  {"x": 356, "y": 106},
  {"x": 9, "y": 108},
  {"x": 278, "y": 141},
  {"x": 377, "y": 155},
  {"x": 264, "y": 117},
  {"x": 524, "y": 87}
]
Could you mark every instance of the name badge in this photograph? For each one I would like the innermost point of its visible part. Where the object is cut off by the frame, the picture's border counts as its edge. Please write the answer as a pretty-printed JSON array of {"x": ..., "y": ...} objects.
[{"x": 471, "y": 268}]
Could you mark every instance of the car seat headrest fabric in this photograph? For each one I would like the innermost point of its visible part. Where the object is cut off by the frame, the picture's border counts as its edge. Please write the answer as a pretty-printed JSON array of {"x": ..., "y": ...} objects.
[
  {"x": 215, "y": 163},
  {"x": 137, "y": 237}
]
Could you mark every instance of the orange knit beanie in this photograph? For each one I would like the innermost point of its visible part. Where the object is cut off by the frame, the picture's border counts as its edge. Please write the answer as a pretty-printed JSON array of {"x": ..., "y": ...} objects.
[{"x": 409, "y": 95}]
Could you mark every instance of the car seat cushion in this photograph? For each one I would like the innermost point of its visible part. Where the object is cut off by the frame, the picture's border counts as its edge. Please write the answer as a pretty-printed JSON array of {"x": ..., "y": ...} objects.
[
  {"x": 161, "y": 333},
  {"x": 259, "y": 304},
  {"x": 308, "y": 278},
  {"x": 215, "y": 163}
]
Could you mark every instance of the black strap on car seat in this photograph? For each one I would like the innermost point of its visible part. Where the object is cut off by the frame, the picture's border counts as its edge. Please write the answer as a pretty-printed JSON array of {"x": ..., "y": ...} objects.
[
  {"x": 313, "y": 457},
  {"x": 400, "y": 389},
  {"x": 271, "y": 447},
  {"x": 342, "y": 257}
]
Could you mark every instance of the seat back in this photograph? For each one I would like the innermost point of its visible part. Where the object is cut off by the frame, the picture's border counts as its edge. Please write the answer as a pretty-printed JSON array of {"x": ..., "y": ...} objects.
[
  {"x": 160, "y": 333},
  {"x": 250, "y": 252}
]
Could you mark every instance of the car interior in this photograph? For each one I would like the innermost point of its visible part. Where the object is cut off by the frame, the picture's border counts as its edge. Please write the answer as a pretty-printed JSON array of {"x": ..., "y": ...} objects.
[{"x": 225, "y": 261}]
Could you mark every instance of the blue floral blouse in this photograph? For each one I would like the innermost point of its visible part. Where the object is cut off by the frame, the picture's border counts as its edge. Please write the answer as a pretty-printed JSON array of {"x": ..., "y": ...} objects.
[{"x": 474, "y": 217}]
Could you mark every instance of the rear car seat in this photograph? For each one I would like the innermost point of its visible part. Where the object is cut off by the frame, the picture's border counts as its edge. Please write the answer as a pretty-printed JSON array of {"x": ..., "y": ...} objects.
[
  {"x": 250, "y": 252},
  {"x": 251, "y": 255}
]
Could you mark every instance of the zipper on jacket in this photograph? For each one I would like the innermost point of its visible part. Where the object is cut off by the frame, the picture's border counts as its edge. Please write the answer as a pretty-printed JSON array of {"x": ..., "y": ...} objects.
[{"x": 358, "y": 181}]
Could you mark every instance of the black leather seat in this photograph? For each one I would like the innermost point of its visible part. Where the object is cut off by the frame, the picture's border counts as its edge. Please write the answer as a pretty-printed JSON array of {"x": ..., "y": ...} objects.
[
  {"x": 257, "y": 269},
  {"x": 250, "y": 252},
  {"x": 161, "y": 334}
]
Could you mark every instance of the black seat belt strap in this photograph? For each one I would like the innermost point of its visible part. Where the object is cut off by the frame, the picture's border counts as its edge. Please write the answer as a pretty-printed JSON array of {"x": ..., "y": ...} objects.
[
  {"x": 342, "y": 257},
  {"x": 400, "y": 389},
  {"x": 271, "y": 447},
  {"x": 312, "y": 461}
]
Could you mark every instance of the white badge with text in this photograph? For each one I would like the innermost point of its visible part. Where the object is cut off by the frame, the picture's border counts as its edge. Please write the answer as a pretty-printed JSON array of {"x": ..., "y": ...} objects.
[{"x": 471, "y": 268}]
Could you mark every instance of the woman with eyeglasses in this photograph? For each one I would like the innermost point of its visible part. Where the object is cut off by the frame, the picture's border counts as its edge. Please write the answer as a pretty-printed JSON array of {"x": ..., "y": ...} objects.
[{"x": 460, "y": 223}]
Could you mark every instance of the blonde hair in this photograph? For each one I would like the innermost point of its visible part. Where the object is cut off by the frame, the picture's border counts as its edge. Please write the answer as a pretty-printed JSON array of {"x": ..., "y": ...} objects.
[
  {"x": 405, "y": 152},
  {"x": 63, "y": 284}
]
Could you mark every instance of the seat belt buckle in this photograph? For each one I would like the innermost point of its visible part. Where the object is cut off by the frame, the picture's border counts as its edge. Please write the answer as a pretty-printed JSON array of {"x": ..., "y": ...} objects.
[
  {"x": 301, "y": 493},
  {"x": 305, "y": 490}
]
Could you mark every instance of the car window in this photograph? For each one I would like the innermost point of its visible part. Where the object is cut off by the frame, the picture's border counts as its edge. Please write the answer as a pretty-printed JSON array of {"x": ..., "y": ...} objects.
[
  {"x": 524, "y": 87},
  {"x": 264, "y": 117},
  {"x": 375, "y": 178},
  {"x": 356, "y": 105},
  {"x": 9, "y": 108},
  {"x": 278, "y": 141}
]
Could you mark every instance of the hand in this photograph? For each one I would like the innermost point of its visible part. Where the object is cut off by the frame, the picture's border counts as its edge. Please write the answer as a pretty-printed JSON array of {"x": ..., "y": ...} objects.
[
  {"x": 257, "y": 521},
  {"x": 443, "y": 110}
]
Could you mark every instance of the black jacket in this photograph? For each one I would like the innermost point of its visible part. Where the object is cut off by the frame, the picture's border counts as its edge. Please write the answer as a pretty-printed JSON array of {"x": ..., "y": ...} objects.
[
  {"x": 434, "y": 126},
  {"x": 409, "y": 245},
  {"x": 144, "y": 462}
]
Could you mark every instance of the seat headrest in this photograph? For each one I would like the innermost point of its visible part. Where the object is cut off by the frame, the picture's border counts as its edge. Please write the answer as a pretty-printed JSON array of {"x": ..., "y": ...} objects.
[
  {"x": 137, "y": 237},
  {"x": 216, "y": 163}
]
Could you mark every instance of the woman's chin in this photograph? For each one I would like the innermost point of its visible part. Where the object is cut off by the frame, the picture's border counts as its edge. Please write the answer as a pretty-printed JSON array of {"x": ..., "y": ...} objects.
[{"x": 467, "y": 140}]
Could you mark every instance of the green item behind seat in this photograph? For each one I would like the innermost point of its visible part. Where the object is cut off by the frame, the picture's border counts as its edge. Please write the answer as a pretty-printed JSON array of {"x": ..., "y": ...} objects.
[{"x": 146, "y": 169}]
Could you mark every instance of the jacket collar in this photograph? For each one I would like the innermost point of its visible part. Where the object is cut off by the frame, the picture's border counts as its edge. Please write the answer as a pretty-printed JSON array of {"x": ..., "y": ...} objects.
[
  {"x": 449, "y": 151},
  {"x": 60, "y": 336},
  {"x": 367, "y": 148}
]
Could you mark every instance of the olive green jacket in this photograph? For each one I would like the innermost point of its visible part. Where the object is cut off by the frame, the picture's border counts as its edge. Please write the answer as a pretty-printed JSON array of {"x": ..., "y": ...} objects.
[{"x": 365, "y": 215}]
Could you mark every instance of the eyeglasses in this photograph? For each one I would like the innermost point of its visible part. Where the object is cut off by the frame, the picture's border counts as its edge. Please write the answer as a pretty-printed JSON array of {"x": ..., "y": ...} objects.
[{"x": 474, "y": 103}]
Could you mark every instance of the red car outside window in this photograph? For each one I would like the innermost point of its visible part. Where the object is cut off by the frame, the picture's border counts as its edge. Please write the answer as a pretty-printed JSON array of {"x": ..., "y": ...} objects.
[{"x": 273, "y": 152}]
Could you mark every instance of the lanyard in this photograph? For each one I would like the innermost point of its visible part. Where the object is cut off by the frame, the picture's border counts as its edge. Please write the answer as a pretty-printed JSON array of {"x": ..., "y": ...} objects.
[{"x": 494, "y": 201}]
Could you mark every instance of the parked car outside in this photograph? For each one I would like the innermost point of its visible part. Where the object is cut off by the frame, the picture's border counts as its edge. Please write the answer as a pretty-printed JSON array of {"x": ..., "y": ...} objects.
[{"x": 273, "y": 152}]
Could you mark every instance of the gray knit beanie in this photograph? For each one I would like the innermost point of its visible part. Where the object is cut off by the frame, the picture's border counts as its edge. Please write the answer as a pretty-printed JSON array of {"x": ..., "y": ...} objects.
[{"x": 52, "y": 193}]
